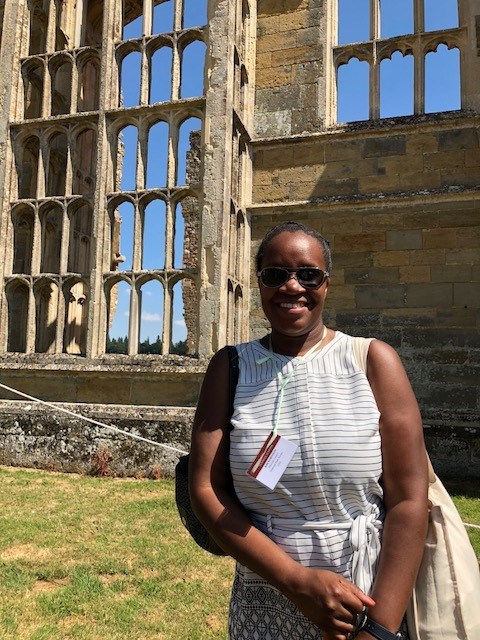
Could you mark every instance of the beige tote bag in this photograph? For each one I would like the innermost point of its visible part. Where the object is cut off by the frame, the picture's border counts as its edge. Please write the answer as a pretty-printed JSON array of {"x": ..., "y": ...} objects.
[{"x": 445, "y": 603}]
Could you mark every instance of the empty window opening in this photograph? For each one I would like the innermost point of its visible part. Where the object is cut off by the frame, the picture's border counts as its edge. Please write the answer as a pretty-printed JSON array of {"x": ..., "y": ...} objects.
[
  {"x": 28, "y": 169},
  {"x": 63, "y": 39},
  {"x": 230, "y": 313},
  {"x": 151, "y": 298},
  {"x": 154, "y": 235},
  {"x": 238, "y": 326},
  {"x": 80, "y": 239},
  {"x": 353, "y": 80},
  {"x": 127, "y": 159},
  {"x": 442, "y": 80},
  {"x": 57, "y": 165},
  {"x": 179, "y": 238},
  {"x": 76, "y": 319},
  {"x": 186, "y": 148},
  {"x": 46, "y": 318},
  {"x": 33, "y": 90},
  {"x": 161, "y": 75},
  {"x": 118, "y": 318},
  {"x": 131, "y": 73},
  {"x": 190, "y": 211},
  {"x": 194, "y": 13},
  {"x": 38, "y": 26},
  {"x": 193, "y": 69},
  {"x": 61, "y": 88},
  {"x": 240, "y": 252},
  {"x": 179, "y": 327},
  {"x": 84, "y": 160},
  {"x": 157, "y": 161},
  {"x": 17, "y": 300},
  {"x": 441, "y": 14},
  {"x": 396, "y": 18},
  {"x": 134, "y": 27},
  {"x": 353, "y": 21},
  {"x": 396, "y": 86},
  {"x": 51, "y": 219},
  {"x": 126, "y": 220},
  {"x": 92, "y": 23},
  {"x": 88, "y": 85},
  {"x": 163, "y": 17},
  {"x": 23, "y": 222}
]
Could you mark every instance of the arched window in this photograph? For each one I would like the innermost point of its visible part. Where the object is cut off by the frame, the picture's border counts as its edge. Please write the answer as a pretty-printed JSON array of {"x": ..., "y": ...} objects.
[
  {"x": 61, "y": 72},
  {"x": 161, "y": 75},
  {"x": 151, "y": 297},
  {"x": 38, "y": 26},
  {"x": 17, "y": 300},
  {"x": 80, "y": 238},
  {"x": 84, "y": 160},
  {"x": 28, "y": 168},
  {"x": 353, "y": 21},
  {"x": 396, "y": 86},
  {"x": 442, "y": 80},
  {"x": 179, "y": 327},
  {"x": 123, "y": 226},
  {"x": 51, "y": 218},
  {"x": 88, "y": 85},
  {"x": 57, "y": 165},
  {"x": 396, "y": 18},
  {"x": 353, "y": 80},
  {"x": 441, "y": 14},
  {"x": 46, "y": 317},
  {"x": 154, "y": 234},
  {"x": 132, "y": 27},
  {"x": 76, "y": 318},
  {"x": 130, "y": 74},
  {"x": 179, "y": 238},
  {"x": 93, "y": 23},
  {"x": 125, "y": 175},
  {"x": 163, "y": 16},
  {"x": 193, "y": 69},
  {"x": 118, "y": 304},
  {"x": 194, "y": 13},
  {"x": 33, "y": 73},
  {"x": 157, "y": 161},
  {"x": 187, "y": 148},
  {"x": 23, "y": 222}
]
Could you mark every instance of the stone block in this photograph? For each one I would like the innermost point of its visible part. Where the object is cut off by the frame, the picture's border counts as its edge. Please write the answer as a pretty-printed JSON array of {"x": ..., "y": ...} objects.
[
  {"x": 263, "y": 177},
  {"x": 273, "y": 77},
  {"x": 373, "y": 275},
  {"x": 399, "y": 240},
  {"x": 425, "y": 219},
  {"x": 443, "y": 238},
  {"x": 379, "y": 184},
  {"x": 344, "y": 149},
  {"x": 306, "y": 120},
  {"x": 309, "y": 153},
  {"x": 451, "y": 273},
  {"x": 472, "y": 158},
  {"x": 429, "y": 295},
  {"x": 398, "y": 164},
  {"x": 462, "y": 256},
  {"x": 296, "y": 55},
  {"x": 360, "y": 242},
  {"x": 277, "y": 157},
  {"x": 385, "y": 146},
  {"x": 277, "y": 43},
  {"x": 293, "y": 175},
  {"x": 419, "y": 181},
  {"x": 444, "y": 159},
  {"x": 391, "y": 258},
  {"x": 419, "y": 273},
  {"x": 341, "y": 297},
  {"x": 468, "y": 237},
  {"x": 270, "y": 193},
  {"x": 309, "y": 36},
  {"x": 463, "y": 217},
  {"x": 377, "y": 221},
  {"x": 428, "y": 256},
  {"x": 458, "y": 139},
  {"x": 408, "y": 317},
  {"x": 267, "y": 25},
  {"x": 466, "y": 294},
  {"x": 334, "y": 188},
  {"x": 419, "y": 143},
  {"x": 273, "y": 124},
  {"x": 104, "y": 390},
  {"x": 344, "y": 260},
  {"x": 335, "y": 224},
  {"x": 466, "y": 177},
  {"x": 457, "y": 317},
  {"x": 379, "y": 296}
]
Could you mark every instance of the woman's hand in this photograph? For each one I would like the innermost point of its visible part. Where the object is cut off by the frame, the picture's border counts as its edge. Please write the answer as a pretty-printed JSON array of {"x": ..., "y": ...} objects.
[{"x": 330, "y": 601}]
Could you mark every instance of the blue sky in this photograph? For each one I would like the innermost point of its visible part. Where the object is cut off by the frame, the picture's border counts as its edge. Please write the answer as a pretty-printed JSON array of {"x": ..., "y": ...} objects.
[{"x": 442, "y": 94}]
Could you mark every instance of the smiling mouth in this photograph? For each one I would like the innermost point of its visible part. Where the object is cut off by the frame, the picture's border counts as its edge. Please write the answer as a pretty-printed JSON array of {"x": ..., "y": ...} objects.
[{"x": 293, "y": 305}]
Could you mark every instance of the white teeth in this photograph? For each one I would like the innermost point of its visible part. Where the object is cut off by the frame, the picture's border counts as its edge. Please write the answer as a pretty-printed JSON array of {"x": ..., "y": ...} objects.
[{"x": 292, "y": 305}]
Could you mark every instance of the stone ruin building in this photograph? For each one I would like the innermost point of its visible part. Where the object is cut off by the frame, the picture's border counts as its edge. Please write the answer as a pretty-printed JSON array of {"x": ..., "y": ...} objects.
[{"x": 397, "y": 196}]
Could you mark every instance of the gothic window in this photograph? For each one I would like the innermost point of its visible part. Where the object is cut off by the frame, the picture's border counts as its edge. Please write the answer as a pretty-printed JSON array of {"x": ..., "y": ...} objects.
[
  {"x": 17, "y": 301},
  {"x": 28, "y": 168},
  {"x": 194, "y": 13},
  {"x": 130, "y": 74},
  {"x": 51, "y": 219},
  {"x": 88, "y": 84},
  {"x": 23, "y": 222},
  {"x": 179, "y": 238},
  {"x": 84, "y": 161},
  {"x": 151, "y": 301},
  {"x": 397, "y": 58},
  {"x": 76, "y": 317},
  {"x": 124, "y": 225},
  {"x": 61, "y": 72},
  {"x": 46, "y": 299},
  {"x": 163, "y": 13},
  {"x": 154, "y": 234},
  {"x": 193, "y": 59},
  {"x": 179, "y": 327},
  {"x": 118, "y": 306},
  {"x": 92, "y": 23},
  {"x": 157, "y": 161},
  {"x": 126, "y": 165},
  {"x": 161, "y": 75},
  {"x": 33, "y": 74},
  {"x": 188, "y": 126},
  {"x": 81, "y": 215},
  {"x": 57, "y": 164},
  {"x": 38, "y": 26}
]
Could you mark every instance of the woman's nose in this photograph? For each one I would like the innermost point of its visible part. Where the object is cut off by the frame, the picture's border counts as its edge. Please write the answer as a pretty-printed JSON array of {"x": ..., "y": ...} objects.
[{"x": 292, "y": 283}]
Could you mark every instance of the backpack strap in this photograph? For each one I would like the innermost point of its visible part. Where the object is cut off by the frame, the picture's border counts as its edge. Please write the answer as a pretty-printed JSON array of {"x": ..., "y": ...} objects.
[
  {"x": 360, "y": 351},
  {"x": 233, "y": 371}
]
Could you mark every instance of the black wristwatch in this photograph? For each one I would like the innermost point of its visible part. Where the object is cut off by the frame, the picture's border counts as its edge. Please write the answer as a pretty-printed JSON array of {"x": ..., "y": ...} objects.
[{"x": 364, "y": 623}]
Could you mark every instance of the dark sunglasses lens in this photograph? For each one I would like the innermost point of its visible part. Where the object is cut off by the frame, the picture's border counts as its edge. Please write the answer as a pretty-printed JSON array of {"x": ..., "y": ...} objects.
[
  {"x": 310, "y": 277},
  {"x": 274, "y": 277}
]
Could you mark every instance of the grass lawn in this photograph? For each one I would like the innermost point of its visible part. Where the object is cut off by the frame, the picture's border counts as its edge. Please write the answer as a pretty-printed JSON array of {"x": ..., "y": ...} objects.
[{"x": 101, "y": 558}]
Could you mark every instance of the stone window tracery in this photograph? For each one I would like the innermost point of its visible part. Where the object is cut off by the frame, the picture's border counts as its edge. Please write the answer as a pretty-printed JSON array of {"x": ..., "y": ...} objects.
[{"x": 372, "y": 32}]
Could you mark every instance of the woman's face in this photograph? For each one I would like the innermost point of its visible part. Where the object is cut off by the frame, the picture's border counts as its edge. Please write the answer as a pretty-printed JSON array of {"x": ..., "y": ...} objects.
[{"x": 292, "y": 309}]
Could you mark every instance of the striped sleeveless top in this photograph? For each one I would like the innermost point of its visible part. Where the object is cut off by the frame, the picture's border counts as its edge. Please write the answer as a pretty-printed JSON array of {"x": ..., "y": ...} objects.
[{"x": 327, "y": 509}]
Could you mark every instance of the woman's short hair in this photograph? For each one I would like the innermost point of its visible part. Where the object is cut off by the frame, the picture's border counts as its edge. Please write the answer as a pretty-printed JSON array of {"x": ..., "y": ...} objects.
[{"x": 293, "y": 227}]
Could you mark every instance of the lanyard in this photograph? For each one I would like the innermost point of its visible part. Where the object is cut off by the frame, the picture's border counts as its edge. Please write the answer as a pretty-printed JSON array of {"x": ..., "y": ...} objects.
[{"x": 283, "y": 380}]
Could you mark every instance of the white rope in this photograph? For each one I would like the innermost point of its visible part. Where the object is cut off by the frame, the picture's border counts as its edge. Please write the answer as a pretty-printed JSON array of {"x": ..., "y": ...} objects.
[{"x": 100, "y": 424}]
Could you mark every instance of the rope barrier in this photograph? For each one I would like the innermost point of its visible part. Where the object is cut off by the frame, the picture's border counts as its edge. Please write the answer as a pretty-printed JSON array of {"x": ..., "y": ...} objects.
[{"x": 125, "y": 433}]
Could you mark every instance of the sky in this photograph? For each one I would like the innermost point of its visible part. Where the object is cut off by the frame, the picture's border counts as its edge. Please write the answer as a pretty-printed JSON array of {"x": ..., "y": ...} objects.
[{"x": 442, "y": 93}]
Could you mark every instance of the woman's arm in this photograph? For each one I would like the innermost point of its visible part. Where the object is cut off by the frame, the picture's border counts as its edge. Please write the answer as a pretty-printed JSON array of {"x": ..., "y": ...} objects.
[
  {"x": 405, "y": 484},
  {"x": 323, "y": 596}
]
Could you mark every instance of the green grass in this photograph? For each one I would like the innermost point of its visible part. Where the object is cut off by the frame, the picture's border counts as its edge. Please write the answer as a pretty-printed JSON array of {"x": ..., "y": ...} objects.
[{"x": 100, "y": 558}]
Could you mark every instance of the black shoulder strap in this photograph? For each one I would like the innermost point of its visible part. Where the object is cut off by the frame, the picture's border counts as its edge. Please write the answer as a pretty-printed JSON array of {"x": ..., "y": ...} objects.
[{"x": 233, "y": 371}]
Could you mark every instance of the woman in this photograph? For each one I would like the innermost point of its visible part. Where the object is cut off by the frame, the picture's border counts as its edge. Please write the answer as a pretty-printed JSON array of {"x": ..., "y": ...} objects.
[{"x": 358, "y": 474}]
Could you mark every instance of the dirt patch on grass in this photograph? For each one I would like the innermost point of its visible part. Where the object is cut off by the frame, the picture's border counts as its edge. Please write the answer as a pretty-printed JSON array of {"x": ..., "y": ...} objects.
[
  {"x": 49, "y": 586},
  {"x": 215, "y": 622},
  {"x": 26, "y": 552}
]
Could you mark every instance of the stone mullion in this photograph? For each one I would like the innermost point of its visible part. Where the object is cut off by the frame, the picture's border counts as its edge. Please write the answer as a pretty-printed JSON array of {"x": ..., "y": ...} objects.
[
  {"x": 178, "y": 15},
  {"x": 42, "y": 168},
  {"x": 167, "y": 319},
  {"x": 36, "y": 243},
  {"x": 147, "y": 17},
  {"x": 172, "y": 162},
  {"x": 374, "y": 19},
  {"x": 142, "y": 156},
  {"x": 419, "y": 16},
  {"x": 419, "y": 78},
  {"x": 65, "y": 242},
  {"x": 74, "y": 87},
  {"x": 47, "y": 91},
  {"x": 176, "y": 70},
  {"x": 169, "y": 234},
  {"x": 145, "y": 77},
  {"x": 60, "y": 318},
  {"x": 374, "y": 88},
  {"x": 52, "y": 27},
  {"x": 134, "y": 322},
  {"x": 70, "y": 157},
  {"x": 137, "y": 238},
  {"x": 31, "y": 322}
]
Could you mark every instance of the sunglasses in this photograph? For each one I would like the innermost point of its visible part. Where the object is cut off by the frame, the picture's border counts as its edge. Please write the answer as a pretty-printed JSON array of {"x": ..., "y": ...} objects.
[{"x": 308, "y": 277}]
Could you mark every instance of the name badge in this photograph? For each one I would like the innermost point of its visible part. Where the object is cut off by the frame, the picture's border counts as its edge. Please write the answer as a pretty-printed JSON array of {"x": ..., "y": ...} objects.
[{"x": 272, "y": 460}]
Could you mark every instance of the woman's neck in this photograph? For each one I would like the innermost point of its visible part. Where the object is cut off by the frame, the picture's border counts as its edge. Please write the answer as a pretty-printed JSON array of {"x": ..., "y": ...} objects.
[{"x": 296, "y": 345}]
